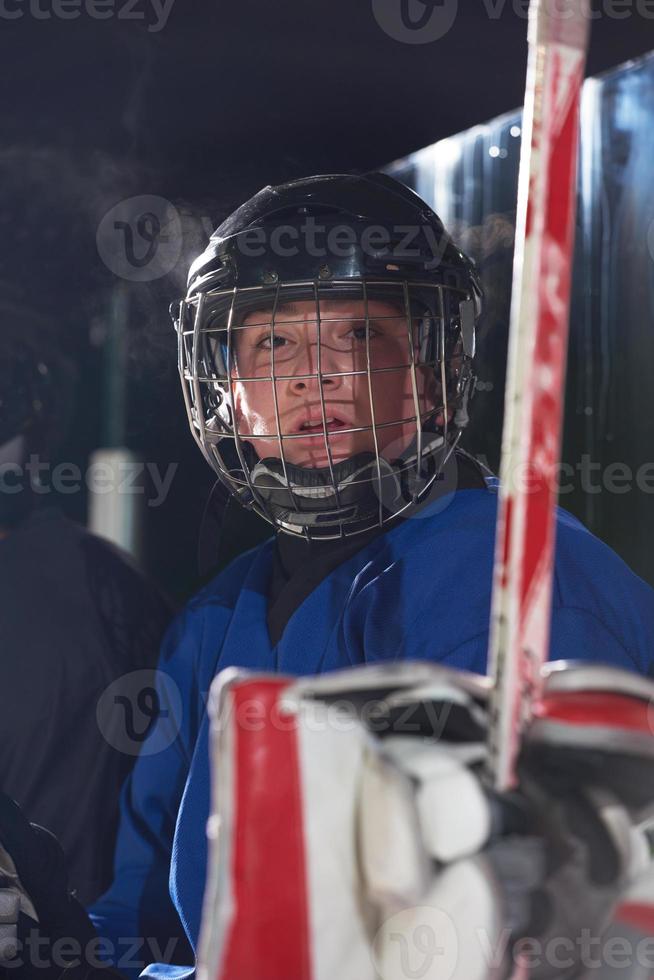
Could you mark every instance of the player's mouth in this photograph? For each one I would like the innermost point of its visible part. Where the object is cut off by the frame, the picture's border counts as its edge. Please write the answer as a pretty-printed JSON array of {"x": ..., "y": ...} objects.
[
  {"x": 331, "y": 424},
  {"x": 313, "y": 427}
]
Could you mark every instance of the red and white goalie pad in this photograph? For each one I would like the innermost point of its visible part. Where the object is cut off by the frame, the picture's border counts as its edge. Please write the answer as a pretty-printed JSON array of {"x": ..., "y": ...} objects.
[{"x": 351, "y": 834}]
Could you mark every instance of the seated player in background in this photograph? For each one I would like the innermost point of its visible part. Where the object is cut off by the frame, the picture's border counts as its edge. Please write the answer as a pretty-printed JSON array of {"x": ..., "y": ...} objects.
[{"x": 75, "y": 616}]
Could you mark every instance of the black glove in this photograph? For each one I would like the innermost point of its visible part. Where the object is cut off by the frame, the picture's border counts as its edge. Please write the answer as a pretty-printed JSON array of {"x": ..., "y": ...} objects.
[
  {"x": 562, "y": 853},
  {"x": 61, "y": 938}
]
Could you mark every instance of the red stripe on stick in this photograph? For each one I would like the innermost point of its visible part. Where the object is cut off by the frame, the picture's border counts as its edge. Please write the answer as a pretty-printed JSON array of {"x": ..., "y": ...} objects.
[
  {"x": 269, "y": 937},
  {"x": 550, "y": 340}
]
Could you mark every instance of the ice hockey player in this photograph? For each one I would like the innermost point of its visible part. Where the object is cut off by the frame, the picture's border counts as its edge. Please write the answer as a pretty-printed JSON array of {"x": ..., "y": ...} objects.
[
  {"x": 326, "y": 343},
  {"x": 326, "y": 348}
]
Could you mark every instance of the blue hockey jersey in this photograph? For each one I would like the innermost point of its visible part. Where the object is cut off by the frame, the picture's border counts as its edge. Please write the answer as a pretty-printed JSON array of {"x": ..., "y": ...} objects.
[{"x": 419, "y": 591}]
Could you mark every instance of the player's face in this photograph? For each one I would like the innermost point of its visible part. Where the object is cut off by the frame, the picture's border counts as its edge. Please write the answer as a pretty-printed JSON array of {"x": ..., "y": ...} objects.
[{"x": 352, "y": 395}]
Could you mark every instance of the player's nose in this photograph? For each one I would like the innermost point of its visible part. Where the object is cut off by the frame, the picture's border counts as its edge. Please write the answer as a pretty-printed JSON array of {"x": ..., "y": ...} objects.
[{"x": 314, "y": 365}]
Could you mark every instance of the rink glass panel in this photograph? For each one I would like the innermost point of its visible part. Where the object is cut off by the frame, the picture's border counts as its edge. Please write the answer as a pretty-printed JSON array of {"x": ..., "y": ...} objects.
[{"x": 608, "y": 440}]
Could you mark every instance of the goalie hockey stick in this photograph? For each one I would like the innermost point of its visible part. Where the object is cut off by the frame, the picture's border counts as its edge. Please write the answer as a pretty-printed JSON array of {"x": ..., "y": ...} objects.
[{"x": 524, "y": 549}]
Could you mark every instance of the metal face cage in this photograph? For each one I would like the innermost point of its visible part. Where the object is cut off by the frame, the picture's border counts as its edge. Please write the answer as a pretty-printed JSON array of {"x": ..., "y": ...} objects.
[{"x": 253, "y": 361}]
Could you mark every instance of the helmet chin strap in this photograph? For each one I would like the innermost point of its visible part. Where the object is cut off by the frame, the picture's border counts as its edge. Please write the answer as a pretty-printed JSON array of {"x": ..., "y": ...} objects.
[{"x": 354, "y": 495}]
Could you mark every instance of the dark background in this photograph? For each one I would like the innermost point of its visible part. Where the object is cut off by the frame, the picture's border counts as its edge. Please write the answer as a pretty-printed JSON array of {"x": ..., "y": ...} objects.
[{"x": 226, "y": 98}]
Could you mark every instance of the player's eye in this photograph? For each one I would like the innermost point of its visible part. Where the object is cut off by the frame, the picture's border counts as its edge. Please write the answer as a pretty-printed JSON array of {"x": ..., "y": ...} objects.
[
  {"x": 359, "y": 333},
  {"x": 265, "y": 344}
]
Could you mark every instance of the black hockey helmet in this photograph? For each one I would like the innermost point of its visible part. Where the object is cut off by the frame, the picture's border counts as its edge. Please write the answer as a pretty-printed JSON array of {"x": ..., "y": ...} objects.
[
  {"x": 321, "y": 238},
  {"x": 395, "y": 235}
]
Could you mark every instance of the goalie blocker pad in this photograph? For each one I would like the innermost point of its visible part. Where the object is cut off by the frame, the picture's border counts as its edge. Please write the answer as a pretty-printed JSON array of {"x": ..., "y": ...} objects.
[{"x": 325, "y": 819}]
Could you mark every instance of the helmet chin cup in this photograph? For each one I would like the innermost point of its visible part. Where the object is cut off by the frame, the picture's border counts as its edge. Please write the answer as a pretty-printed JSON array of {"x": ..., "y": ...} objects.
[
  {"x": 350, "y": 495},
  {"x": 353, "y": 496}
]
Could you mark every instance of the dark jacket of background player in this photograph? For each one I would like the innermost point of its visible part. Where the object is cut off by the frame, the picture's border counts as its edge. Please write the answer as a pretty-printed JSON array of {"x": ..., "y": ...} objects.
[{"x": 75, "y": 616}]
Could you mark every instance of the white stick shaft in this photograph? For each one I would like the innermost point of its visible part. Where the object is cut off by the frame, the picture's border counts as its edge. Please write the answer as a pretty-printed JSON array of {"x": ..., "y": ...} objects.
[{"x": 522, "y": 586}]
